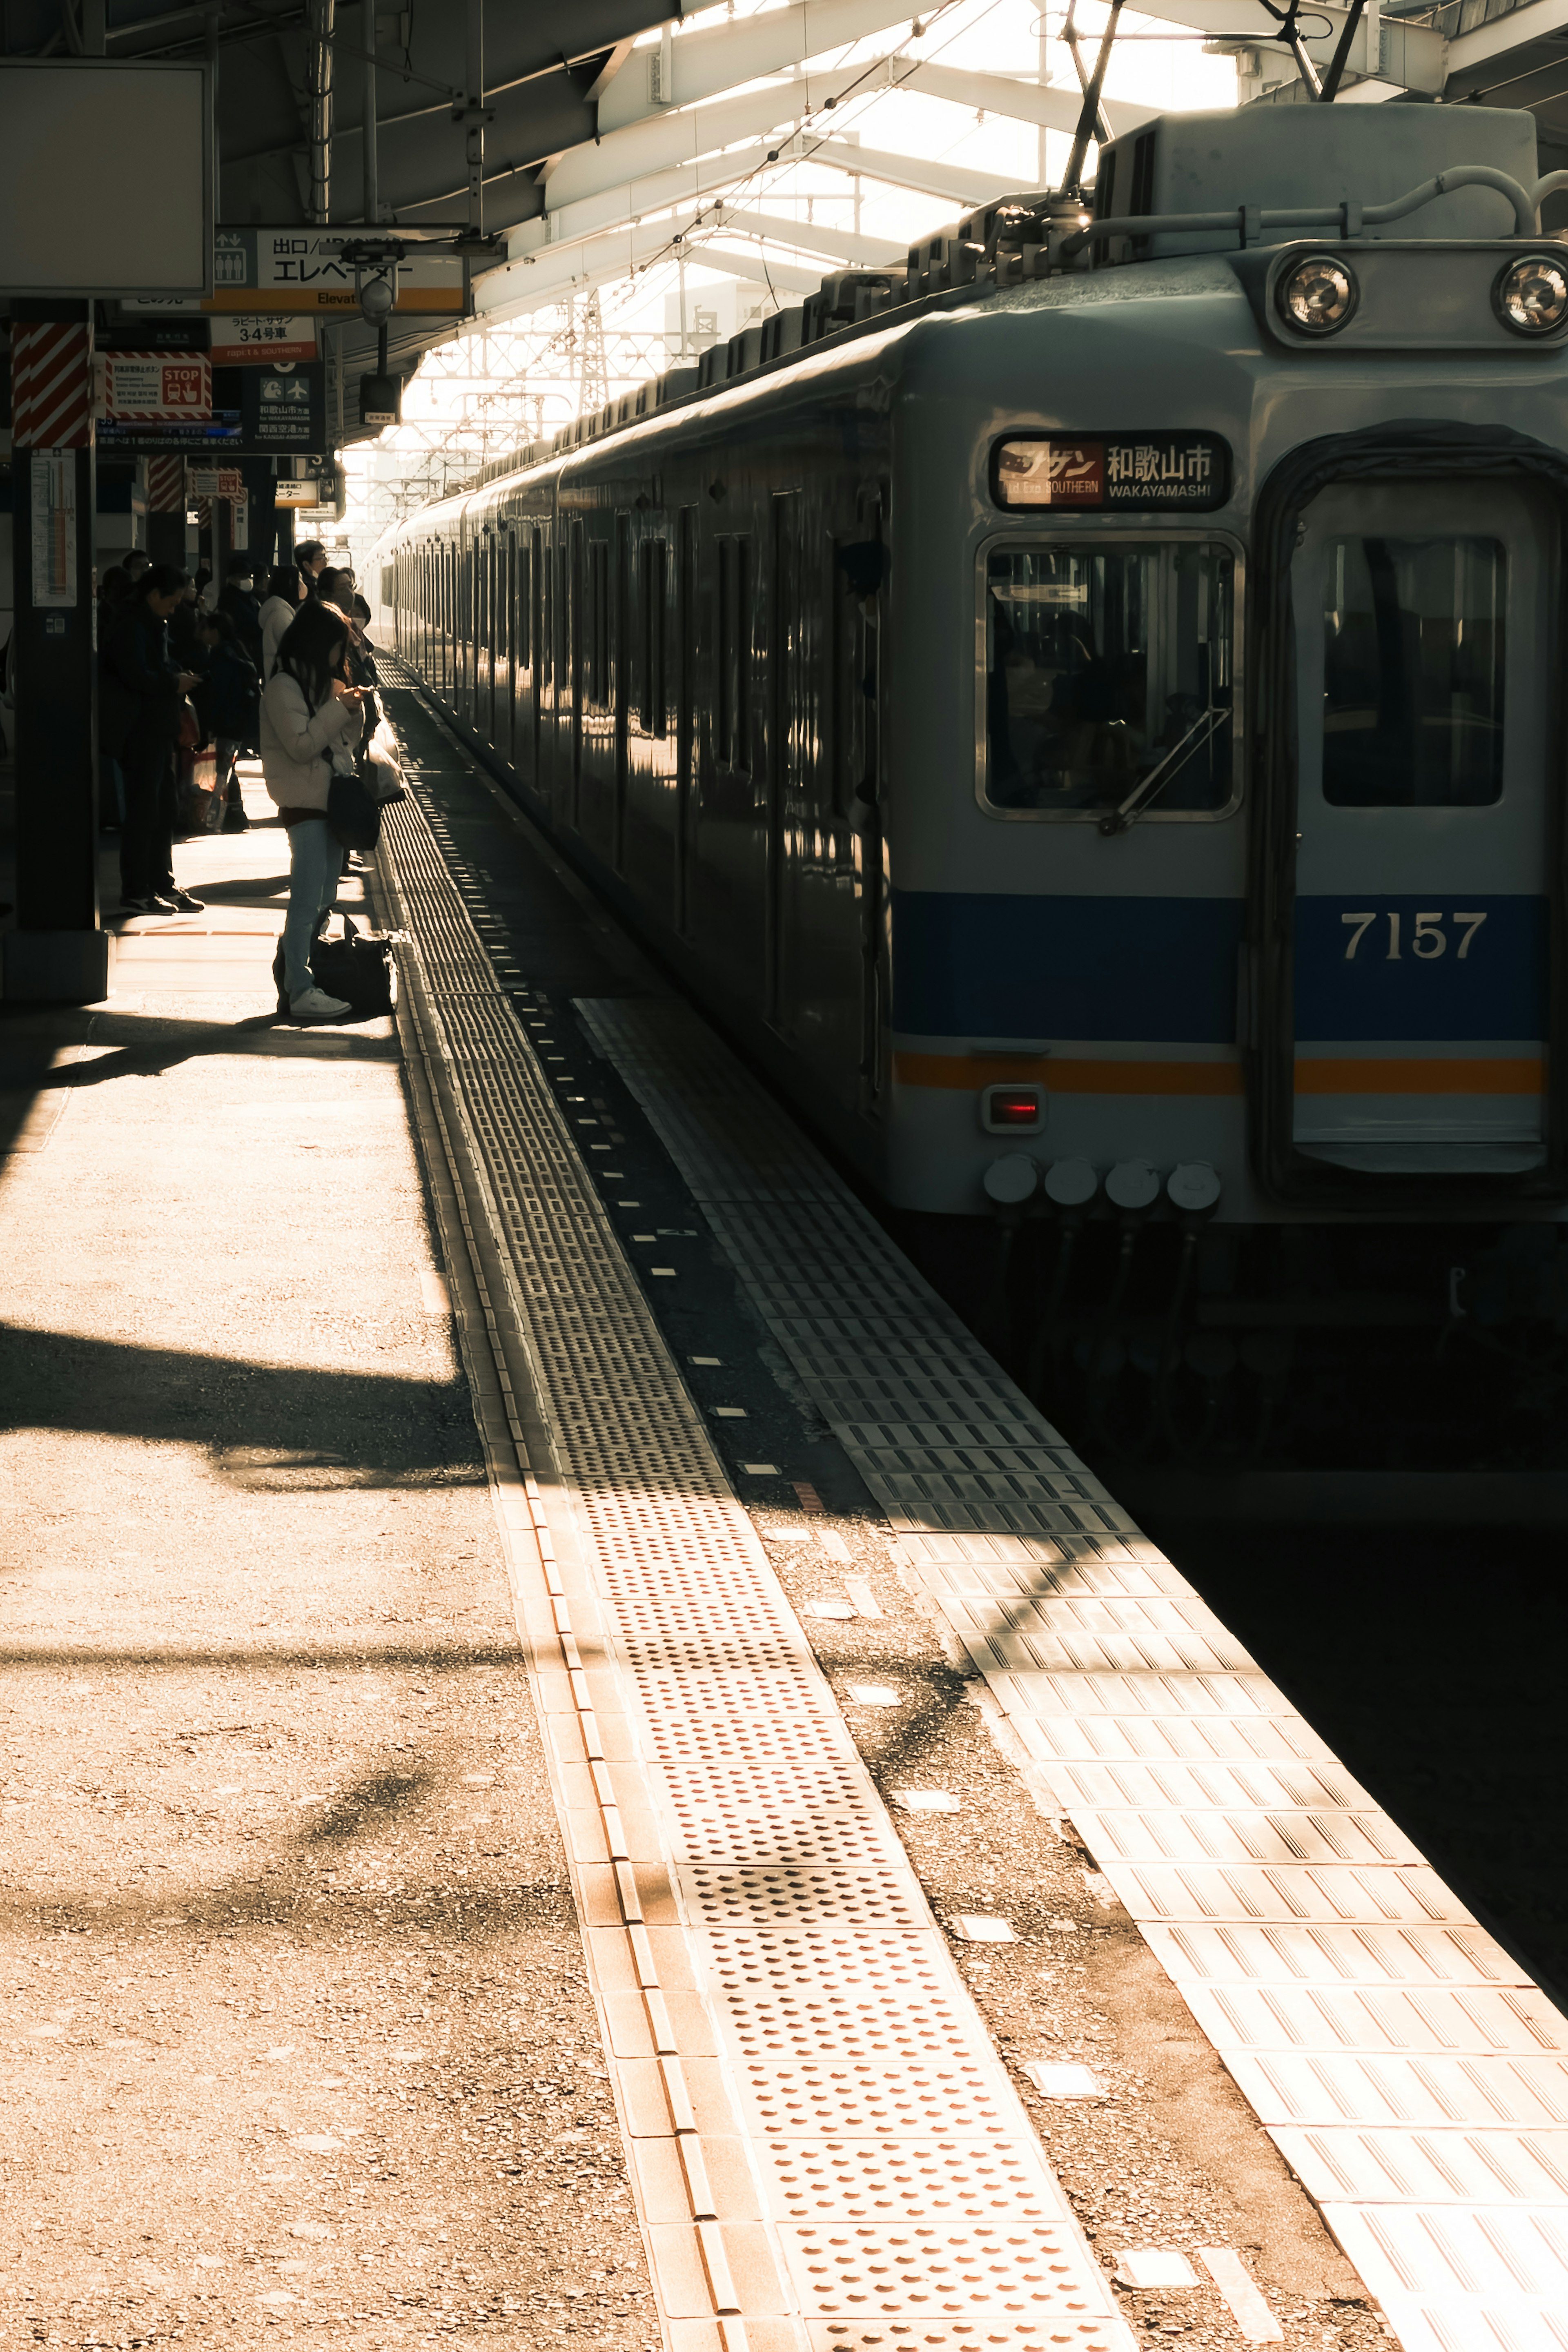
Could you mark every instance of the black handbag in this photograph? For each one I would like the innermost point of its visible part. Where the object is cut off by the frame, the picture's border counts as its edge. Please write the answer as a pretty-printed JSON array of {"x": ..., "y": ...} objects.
[
  {"x": 353, "y": 813},
  {"x": 359, "y": 968}
]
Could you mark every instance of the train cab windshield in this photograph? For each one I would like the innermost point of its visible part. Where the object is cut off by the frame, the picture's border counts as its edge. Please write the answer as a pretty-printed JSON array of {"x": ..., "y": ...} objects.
[{"x": 1108, "y": 671}]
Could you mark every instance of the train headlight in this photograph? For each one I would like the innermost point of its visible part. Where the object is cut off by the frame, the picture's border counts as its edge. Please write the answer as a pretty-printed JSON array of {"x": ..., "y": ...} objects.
[
  {"x": 1319, "y": 296},
  {"x": 1532, "y": 294}
]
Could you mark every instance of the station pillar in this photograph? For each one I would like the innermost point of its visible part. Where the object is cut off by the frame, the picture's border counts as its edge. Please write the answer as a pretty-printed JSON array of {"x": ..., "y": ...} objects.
[
  {"x": 59, "y": 953},
  {"x": 166, "y": 510}
]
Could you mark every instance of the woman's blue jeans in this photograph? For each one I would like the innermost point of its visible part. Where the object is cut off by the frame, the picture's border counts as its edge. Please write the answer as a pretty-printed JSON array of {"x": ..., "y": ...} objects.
[{"x": 315, "y": 869}]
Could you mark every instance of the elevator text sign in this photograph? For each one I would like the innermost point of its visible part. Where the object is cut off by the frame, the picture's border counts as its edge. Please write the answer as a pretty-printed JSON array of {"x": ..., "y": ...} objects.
[{"x": 301, "y": 270}]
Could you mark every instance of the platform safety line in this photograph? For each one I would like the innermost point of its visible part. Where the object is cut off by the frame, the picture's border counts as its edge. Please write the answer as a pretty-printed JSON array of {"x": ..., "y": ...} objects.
[{"x": 528, "y": 1543}]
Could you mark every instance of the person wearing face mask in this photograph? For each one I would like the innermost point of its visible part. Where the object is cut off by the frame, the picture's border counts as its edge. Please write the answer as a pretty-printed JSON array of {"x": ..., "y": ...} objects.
[
  {"x": 241, "y": 603},
  {"x": 145, "y": 686},
  {"x": 285, "y": 595}
]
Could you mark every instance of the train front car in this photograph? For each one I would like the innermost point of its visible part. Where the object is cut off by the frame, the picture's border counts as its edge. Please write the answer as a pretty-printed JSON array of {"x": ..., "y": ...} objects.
[{"x": 1229, "y": 978}]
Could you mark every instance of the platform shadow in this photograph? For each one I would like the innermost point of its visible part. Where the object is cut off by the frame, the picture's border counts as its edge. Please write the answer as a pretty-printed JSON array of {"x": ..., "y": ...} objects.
[{"x": 282, "y": 1427}]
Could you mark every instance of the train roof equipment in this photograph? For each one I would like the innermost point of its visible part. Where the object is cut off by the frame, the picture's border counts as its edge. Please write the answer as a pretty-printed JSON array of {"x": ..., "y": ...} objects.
[{"x": 1252, "y": 181}]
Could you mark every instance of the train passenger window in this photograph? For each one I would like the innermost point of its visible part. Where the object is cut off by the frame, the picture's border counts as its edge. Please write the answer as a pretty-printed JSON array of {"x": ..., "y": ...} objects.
[
  {"x": 733, "y": 747},
  {"x": 1103, "y": 662},
  {"x": 653, "y": 709},
  {"x": 1413, "y": 672},
  {"x": 596, "y": 638}
]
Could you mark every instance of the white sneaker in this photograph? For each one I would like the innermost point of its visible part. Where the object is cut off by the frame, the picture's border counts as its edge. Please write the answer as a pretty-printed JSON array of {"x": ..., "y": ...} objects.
[{"x": 317, "y": 1005}]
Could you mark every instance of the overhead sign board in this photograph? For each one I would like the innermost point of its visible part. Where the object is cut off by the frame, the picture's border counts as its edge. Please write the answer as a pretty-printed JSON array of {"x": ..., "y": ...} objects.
[
  {"x": 260, "y": 338},
  {"x": 215, "y": 482},
  {"x": 301, "y": 272},
  {"x": 106, "y": 177},
  {"x": 276, "y": 410},
  {"x": 154, "y": 387}
]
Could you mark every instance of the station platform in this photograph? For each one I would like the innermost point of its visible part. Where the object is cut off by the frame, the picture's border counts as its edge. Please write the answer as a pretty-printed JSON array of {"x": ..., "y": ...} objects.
[{"x": 561, "y": 1699}]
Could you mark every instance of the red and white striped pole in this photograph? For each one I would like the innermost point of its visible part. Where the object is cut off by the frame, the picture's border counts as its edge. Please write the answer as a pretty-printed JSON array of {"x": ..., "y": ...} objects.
[
  {"x": 59, "y": 953},
  {"x": 166, "y": 510}
]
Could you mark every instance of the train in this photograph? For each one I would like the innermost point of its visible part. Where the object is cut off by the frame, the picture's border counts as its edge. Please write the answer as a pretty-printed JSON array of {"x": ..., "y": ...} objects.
[{"x": 1082, "y": 712}]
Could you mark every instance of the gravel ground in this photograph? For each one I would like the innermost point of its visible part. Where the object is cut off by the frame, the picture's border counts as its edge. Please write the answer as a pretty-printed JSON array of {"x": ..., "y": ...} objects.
[{"x": 1171, "y": 2156}]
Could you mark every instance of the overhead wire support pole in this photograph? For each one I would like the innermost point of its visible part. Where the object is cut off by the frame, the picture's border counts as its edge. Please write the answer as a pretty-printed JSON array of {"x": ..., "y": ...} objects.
[
  {"x": 1073, "y": 39},
  {"x": 1090, "y": 117},
  {"x": 369, "y": 132},
  {"x": 1338, "y": 62},
  {"x": 473, "y": 115},
  {"x": 324, "y": 15}
]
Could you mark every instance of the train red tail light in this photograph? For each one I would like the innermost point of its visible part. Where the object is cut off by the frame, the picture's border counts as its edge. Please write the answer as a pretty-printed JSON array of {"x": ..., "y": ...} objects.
[{"x": 1012, "y": 1110}]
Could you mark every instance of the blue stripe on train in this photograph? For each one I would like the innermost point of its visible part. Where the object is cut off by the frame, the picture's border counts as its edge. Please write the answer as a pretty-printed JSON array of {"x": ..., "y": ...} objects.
[
  {"x": 978, "y": 965},
  {"x": 1496, "y": 988}
]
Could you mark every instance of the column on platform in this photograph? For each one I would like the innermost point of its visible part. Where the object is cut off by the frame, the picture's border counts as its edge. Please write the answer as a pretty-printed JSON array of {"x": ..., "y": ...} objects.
[
  {"x": 166, "y": 510},
  {"x": 59, "y": 953}
]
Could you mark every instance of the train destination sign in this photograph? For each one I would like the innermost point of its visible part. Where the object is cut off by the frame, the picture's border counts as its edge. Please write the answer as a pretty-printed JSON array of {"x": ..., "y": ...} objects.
[{"x": 1094, "y": 471}]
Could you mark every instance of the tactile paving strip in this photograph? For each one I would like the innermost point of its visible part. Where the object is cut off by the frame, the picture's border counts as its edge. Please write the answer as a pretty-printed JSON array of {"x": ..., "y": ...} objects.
[
  {"x": 1366, "y": 2016},
  {"x": 849, "y": 2049}
]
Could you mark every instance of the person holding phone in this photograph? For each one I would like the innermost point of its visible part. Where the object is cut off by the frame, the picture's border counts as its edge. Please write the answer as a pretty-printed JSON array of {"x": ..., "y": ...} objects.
[{"x": 312, "y": 720}]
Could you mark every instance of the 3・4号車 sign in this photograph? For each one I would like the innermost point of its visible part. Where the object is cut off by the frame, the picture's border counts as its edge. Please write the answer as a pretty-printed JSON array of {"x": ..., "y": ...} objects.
[{"x": 1160, "y": 471}]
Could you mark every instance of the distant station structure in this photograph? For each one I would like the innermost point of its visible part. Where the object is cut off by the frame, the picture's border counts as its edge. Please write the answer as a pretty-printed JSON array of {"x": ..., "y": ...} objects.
[{"x": 230, "y": 233}]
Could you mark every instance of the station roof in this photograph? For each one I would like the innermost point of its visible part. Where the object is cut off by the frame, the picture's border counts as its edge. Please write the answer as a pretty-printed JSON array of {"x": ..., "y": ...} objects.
[{"x": 589, "y": 130}]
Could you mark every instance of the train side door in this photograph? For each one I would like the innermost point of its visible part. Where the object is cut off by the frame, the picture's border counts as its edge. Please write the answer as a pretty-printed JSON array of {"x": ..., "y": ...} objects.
[{"x": 1422, "y": 919}]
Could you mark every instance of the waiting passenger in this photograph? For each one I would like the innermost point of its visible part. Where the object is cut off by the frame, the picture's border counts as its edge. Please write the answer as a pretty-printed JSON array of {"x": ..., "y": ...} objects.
[
  {"x": 144, "y": 696},
  {"x": 228, "y": 701},
  {"x": 285, "y": 595},
  {"x": 240, "y": 602},
  {"x": 311, "y": 723},
  {"x": 311, "y": 559}
]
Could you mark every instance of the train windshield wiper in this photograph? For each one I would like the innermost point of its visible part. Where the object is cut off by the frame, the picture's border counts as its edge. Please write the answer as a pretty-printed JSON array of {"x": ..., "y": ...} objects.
[{"x": 1117, "y": 820}]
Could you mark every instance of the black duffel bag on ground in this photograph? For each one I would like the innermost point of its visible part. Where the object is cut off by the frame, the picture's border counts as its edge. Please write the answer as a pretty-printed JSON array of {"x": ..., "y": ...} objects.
[{"x": 359, "y": 968}]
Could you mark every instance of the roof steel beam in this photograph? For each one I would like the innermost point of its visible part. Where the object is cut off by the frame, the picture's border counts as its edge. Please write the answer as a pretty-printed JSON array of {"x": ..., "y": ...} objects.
[
  {"x": 677, "y": 137},
  {"x": 1411, "y": 56},
  {"x": 560, "y": 270},
  {"x": 841, "y": 245},
  {"x": 628, "y": 201},
  {"x": 1054, "y": 106},
  {"x": 722, "y": 56},
  {"x": 1538, "y": 20},
  {"x": 785, "y": 273}
]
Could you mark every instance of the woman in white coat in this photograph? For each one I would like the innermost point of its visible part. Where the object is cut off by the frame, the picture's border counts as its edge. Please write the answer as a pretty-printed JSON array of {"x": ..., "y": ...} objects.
[
  {"x": 286, "y": 591},
  {"x": 312, "y": 720}
]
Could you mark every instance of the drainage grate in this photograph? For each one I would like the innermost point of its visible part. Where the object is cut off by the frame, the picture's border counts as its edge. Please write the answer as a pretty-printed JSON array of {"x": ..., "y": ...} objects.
[{"x": 853, "y": 2059}]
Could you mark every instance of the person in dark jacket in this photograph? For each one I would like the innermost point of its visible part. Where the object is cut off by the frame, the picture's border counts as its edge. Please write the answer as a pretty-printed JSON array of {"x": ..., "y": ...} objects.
[
  {"x": 115, "y": 591},
  {"x": 185, "y": 622},
  {"x": 145, "y": 689},
  {"x": 243, "y": 605},
  {"x": 228, "y": 703}
]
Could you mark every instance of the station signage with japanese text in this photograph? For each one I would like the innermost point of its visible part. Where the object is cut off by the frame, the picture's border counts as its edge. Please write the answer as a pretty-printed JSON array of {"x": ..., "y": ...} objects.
[
  {"x": 300, "y": 269},
  {"x": 260, "y": 338},
  {"x": 279, "y": 410},
  {"x": 154, "y": 387},
  {"x": 1162, "y": 471}
]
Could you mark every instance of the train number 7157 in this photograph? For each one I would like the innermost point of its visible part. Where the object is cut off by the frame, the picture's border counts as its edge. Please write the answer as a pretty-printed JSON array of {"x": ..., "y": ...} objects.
[{"x": 1428, "y": 940}]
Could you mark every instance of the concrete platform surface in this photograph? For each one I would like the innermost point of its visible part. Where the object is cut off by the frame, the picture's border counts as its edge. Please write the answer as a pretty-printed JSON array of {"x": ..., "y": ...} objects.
[{"x": 297, "y": 2035}]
